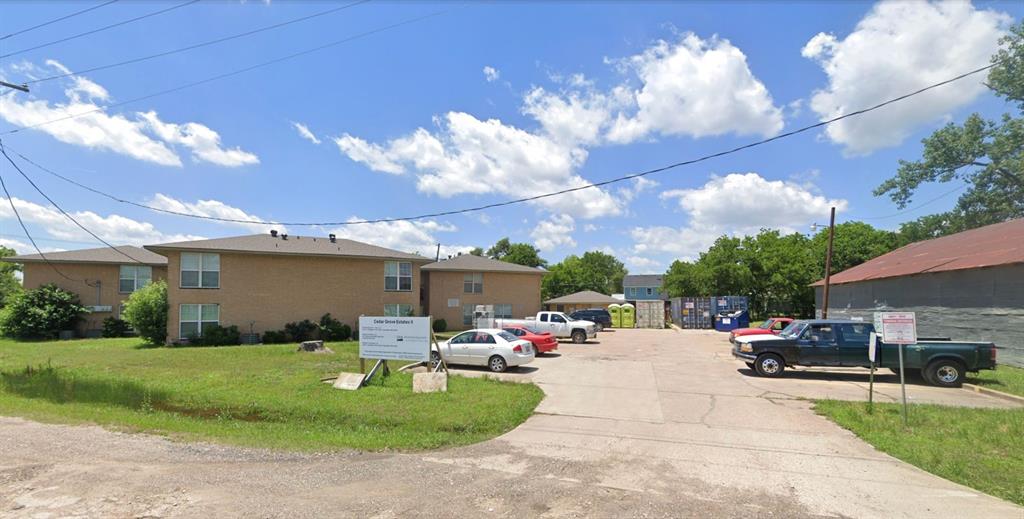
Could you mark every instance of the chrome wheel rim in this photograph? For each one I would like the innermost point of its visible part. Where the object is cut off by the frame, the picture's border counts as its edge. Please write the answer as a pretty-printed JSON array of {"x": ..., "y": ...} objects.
[
  {"x": 496, "y": 364},
  {"x": 947, "y": 374},
  {"x": 770, "y": 366}
]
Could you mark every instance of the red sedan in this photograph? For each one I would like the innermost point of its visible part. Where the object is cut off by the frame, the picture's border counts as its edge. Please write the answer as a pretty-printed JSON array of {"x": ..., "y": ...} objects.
[
  {"x": 542, "y": 342},
  {"x": 773, "y": 325}
]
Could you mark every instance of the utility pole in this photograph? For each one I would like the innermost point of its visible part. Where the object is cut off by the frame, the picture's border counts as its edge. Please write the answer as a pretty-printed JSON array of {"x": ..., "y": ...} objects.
[
  {"x": 23, "y": 87},
  {"x": 828, "y": 263},
  {"x": 438, "y": 256}
]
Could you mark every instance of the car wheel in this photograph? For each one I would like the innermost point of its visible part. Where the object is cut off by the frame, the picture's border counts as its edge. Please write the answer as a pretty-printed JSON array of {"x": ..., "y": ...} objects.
[
  {"x": 750, "y": 365},
  {"x": 946, "y": 373},
  {"x": 497, "y": 364},
  {"x": 579, "y": 337},
  {"x": 769, "y": 365},
  {"x": 435, "y": 359}
]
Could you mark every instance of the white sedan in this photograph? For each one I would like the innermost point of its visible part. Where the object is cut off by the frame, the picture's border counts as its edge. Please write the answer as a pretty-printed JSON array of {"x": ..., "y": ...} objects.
[{"x": 494, "y": 348}]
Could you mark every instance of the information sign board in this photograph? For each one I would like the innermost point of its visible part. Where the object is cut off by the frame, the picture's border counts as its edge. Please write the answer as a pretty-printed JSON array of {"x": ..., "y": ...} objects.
[
  {"x": 394, "y": 338},
  {"x": 899, "y": 327}
]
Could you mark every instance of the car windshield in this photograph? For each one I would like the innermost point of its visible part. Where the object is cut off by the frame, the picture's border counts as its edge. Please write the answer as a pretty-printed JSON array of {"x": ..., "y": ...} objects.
[
  {"x": 794, "y": 330},
  {"x": 507, "y": 336},
  {"x": 765, "y": 325}
]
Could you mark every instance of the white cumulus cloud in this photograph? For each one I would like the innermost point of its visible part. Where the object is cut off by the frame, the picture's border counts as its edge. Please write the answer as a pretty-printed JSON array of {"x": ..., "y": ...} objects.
[
  {"x": 735, "y": 204},
  {"x": 214, "y": 208},
  {"x": 491, "y": 74},
  {"x": 897, "y": 48},
  {"x": 415, "y": 237},
  {"x": 142, "y": 136},
  {"x": 373, "y": 155},
  {"x": 697, "y": 88},
  {"x": 554, "y": 232}
]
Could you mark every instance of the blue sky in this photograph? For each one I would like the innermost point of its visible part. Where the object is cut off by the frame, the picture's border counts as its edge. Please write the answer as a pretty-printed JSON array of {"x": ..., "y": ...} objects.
[{"x": 480, "y": 104}]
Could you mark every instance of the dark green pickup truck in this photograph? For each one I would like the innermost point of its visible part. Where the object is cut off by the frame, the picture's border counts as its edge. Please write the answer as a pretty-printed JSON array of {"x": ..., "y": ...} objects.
[{"x": 834, "y": 342}]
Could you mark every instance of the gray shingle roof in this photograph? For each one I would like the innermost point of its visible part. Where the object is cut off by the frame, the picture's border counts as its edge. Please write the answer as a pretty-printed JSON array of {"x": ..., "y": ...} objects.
[
  {"x": 642, "y": 280},
  {"x": 471, "y": 263},
  {"x": 295, "y": 245},
  {"x": 584, "y": 297},
  {"x": 98, "y": 255}
]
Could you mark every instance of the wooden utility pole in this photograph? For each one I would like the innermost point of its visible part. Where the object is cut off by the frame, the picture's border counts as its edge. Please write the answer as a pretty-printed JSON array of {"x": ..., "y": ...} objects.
[
  {"x": 22, "y": 87},
  {"x": 828, "y": 263},
  {"x": 437, "y": 257}
]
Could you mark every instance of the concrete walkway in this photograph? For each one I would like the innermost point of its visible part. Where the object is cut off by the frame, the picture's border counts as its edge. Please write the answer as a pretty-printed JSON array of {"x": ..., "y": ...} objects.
[{"x": 645, "y": 423}]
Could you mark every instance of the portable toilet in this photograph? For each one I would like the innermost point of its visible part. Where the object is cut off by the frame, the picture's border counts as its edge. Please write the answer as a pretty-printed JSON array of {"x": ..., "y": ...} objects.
[
  {"x": 615, "y": 310},
  {"x": 628, "y": 316}
]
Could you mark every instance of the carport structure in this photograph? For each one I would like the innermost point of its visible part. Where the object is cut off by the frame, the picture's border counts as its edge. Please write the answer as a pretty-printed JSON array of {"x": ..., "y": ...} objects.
[{"x": 581, "y": 301}]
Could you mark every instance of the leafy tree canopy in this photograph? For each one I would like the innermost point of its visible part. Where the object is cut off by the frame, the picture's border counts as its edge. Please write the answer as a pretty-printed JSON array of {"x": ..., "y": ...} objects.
[
  {"x": 518, "y": 253},
  {"x": 9, "y": 284},
  {"x": 986, "y": 156},
  {"x": 594, "y": 270}
]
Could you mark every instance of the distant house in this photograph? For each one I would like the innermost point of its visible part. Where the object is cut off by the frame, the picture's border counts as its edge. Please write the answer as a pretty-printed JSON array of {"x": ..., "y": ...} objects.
[
  {"x": 581, "y": 301},
  {"x": 261, "y": 282},
  {"x": 103, "y": 278},
  {"x": 454, "y": 287},
  {"x": 643, "y": 287},
  {"x": 967, "y": 286}
]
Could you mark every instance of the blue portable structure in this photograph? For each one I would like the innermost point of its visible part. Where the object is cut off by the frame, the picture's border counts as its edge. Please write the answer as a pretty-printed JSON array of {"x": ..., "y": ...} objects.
[
  {"x": 728, "y": 321},
  {"x": 700, "y": 312}
]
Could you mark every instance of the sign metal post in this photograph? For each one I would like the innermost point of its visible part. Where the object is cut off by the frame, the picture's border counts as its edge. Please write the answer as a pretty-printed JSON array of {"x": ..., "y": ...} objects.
[{"x": 900, "y": 328}]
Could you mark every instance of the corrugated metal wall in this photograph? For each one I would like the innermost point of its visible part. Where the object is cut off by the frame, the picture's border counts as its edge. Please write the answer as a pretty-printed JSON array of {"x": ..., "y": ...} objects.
[
  {"x": 984, "y": 304},
  {"x": 650, "y": 314}
]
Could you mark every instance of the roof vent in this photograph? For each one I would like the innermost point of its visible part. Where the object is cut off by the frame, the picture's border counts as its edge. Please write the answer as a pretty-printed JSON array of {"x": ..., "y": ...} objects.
[
  {"x": 284, "y": 236},
  {"x": 273, "y": 233},
  {"x": 332, "y": 237}
]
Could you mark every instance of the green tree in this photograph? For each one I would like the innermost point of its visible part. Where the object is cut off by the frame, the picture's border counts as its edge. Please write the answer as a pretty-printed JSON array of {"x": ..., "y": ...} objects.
[
  {"x": 986, "y": 155},
  {"x": 476, "y": 251},
  {"x": 594, "y": 270},
  {"x": 518, "y": 253},
  {"x": 146, "y": 311},
  {"x": 41, "y": 313},
  {"x": 853, "y": 244},
  {"x": 9, "y": 284}
]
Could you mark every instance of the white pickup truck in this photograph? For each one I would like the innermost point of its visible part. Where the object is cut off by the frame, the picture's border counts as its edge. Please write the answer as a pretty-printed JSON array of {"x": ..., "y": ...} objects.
[{"x": 557, "y": 323}]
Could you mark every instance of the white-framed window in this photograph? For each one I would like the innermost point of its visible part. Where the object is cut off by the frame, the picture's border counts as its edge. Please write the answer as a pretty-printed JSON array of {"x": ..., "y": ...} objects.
[
  {"x": 134, "y": 277},
  {"x": 467, "y": 314},
  {"x": 397, "y": 310},
  {"x": 503, "y": 311},
  {"x": 473, "y": 283},
  {"x": 650, "y": 291},
  {"x": 453, "y": 302},
  {"x": 200, "y": 270},
  {"x": 194, "y": 318},
  {"x": 397, "y": 276}
]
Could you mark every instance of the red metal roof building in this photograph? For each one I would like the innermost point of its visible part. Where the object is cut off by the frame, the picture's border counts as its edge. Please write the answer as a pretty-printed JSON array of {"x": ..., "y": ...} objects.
[
  {"x": 966, "y": 286},
  {"x": 989, "y": 246}
]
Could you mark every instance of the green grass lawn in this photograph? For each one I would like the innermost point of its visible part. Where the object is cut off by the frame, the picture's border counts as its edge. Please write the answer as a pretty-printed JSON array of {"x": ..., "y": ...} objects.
[
  {"x": 979, "y": 448},
  {"x": 267, "y": 396},
  {"x": 1007, "y": 379}
]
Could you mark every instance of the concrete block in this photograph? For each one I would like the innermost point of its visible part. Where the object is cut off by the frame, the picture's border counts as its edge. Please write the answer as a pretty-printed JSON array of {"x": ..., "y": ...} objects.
[
  {"x": 429, "y": 382},
  {"x": 349, "y": 381}
]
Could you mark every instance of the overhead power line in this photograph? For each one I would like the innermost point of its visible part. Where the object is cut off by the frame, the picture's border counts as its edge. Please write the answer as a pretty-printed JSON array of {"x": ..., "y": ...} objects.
[
  {"x": 530, "y": 198},
  {"x": 29, "y": 235},
  {"x": 202, "y": 44},
  {"x": 101, "y": 29},
  {"x": 55, "y": 20},
  {"x": 232, "y": 73},
  {"x": 59, "y": 208}
]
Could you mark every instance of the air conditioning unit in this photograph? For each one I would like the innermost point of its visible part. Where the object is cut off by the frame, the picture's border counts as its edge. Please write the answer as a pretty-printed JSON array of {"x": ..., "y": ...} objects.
[{"x": 483, "y": 316}]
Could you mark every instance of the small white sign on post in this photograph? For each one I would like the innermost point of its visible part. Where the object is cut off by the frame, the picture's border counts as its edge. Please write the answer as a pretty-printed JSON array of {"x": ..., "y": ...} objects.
[
  {"x": 394, "y": 338},
  {"x": 899, "y": 327},
  {"x": 872, "y": 346}
]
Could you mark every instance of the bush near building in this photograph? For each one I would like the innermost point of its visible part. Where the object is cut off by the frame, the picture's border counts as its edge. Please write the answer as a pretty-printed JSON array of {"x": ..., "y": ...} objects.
[
  {"x": 41, "y": 313},
  {"x": 146, "y": 311}
]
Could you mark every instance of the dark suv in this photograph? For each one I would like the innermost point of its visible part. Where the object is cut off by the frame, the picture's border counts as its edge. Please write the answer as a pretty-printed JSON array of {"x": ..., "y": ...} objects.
[{"x": 598, "y": 316}]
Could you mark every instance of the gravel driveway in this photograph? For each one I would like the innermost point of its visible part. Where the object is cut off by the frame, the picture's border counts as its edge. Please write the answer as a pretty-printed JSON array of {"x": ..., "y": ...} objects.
[{"x": 646, "y": 423}]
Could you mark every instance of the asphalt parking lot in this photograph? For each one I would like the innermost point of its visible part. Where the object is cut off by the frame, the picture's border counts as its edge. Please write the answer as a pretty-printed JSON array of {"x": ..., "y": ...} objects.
[{"x": 641, "y": 423}]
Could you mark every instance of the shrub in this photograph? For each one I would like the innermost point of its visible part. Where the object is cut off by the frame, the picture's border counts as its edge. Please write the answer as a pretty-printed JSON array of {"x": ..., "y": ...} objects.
[
  {"x": 304, "y": 330},
  {"x": 146, "y": 311},
  {"x": 114, "y": 327},
  {"x": 275, "y": 337},
  {"x": 440, "y": 325},
  {"x": 217, "y": 335},
  {"x": 332, "y": 329},
  {"x": 41, "y": 313}
]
